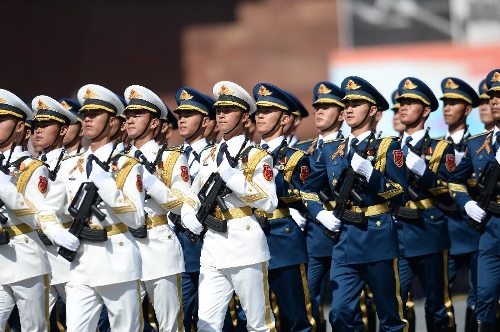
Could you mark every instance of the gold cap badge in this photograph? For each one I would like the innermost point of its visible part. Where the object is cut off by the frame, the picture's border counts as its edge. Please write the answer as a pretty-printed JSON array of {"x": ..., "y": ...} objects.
[
  {"x": 450, "y": 84},
  {"x": 263, "y": 91},
  {"x": 409, "y": 85},
  {"x": 323, "y": 90},
  {"x": 224, "y": 90},
  {"x": 66, "y": 105},
  {"x": 42, "y": 106},
  {"x": 2, "y": 100},
  {"x": 134, "y": 95},
  {"x": 351, "y": 85},
  {"x": 484, "y": 87},
  {"x": 89, "y": 94},
  {"x": 185, "y": 95},
  {"x": 496, "y": 77}
]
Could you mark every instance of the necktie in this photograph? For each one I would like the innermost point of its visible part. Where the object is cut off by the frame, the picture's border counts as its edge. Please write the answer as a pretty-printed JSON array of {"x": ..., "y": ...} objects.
[
  {"x": 265, "y": 146},
  {"x": 220, "y": 154},
  {"x": 320, "y": 144},
  {"x": 496, "y": 145},
  {"x": 188, "y": 149},
  {"x": 405, "y": 148},
  {"x": 43, "y": 157},
  {"x": 354, "y": 142},
  {"x": 88, "y": 166}
]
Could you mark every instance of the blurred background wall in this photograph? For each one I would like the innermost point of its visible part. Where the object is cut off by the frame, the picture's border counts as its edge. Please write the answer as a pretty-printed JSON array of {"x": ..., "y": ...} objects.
[{"x": 55, "y": 47}]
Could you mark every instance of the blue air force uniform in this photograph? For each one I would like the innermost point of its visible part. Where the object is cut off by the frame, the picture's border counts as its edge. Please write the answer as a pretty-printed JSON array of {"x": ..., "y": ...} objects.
[
  {"x": 368, "y": 253},
  {"x": 424, "y": 241},
  {"x": 286, "y": 241}
]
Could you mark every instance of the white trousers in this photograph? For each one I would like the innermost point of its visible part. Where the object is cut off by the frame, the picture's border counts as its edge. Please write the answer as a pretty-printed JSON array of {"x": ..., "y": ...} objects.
[
  {"x": 55, "y": 291},
  {"x": 216, "y": 289},
  {"x": 84, "y": 303},
  {"x": 166, "y": 295},
  {"x": 31, "y": 297}
]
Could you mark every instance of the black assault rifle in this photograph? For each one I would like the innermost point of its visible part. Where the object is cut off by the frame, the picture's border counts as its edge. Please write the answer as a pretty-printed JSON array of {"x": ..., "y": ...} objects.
[
  {"x": 489, "y": 188},
  {"x": 82, "y": 207},
  {"x": 346, "y": 190}
]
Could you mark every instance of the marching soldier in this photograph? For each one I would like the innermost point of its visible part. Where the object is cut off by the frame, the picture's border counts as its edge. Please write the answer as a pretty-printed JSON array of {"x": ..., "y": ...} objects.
[
  {"x": 211, "y": 131},
  {"x": 484, "y": 107},
  {"x": 422, "y": 232},
  {"x": 25, "y": 278},
  {"x": 51, "y": 124},
  {"x": 106, "y": 266},
  {"x": 482, "y": 156},
  {"x": 286, "y": 241},
  {"x": 459, "y": 99},
  {"x": 366, "y": 249},
  {"x": 72, "y": 141},
  {"x": 293, "y": 124},
  {"x": 235, "y": 254},
  {"x": 194, "y": 112},
  {"x": 164, "y": 132},
  {"x": 329, "y": 115},
  {"x": 396, "y": 122},
  {"x": 166, "y": 177}
]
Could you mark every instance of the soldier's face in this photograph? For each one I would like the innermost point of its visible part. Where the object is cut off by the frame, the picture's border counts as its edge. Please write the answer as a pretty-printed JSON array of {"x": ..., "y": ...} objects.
[
  {"x": 268, "y": 119},
  {"x": 95, "y": 122},
  {"x": 485, "y": 112},
  {"x": 228, "y": 117},
  {"x": 411, "y": 111},
  {"x": 46, "y": 133},
  {"x": 190, "y": 121},
  {"x": 396, "y": 122},
  {"x": 357, "y": 112},
  {"x": 7, "y": 124},
  {"x": 137, "y": 122},
  {"x": 74, "y": 130},
  {"x": 455, "y": 111},
  {"x": 326, "y": 115},
  {"x": 495, "y": 104}
]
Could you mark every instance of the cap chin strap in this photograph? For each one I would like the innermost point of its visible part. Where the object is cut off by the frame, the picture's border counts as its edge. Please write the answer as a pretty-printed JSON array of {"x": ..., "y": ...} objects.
[
  {"x": 276, "y": 124},
  {"x": 55, "y": 140},
  {"x": 103, "y": 129},
  {"x": 237, "y": 124},
  {"x": 366, "y": 117},
  {"x": 197, "y": 129},
  {"x": 333, "y": 125},
  {"x": 74, "y": 140},
  {"x": 147, "y": 126},
  {"x": 11, "y": 133}
]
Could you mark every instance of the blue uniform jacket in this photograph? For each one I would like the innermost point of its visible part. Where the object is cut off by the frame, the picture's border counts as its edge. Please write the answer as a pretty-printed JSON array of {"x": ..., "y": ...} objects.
[
  {"x": 479, "y": 152},
  {"x": 430, "y": 235},
  {"x": 378, "y": 241}
]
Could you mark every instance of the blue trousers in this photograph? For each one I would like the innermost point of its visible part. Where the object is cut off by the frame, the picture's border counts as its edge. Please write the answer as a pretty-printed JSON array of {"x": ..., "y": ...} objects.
[
  {"x": 469, "y": 260},
  {"x": 488, "y": 281}
]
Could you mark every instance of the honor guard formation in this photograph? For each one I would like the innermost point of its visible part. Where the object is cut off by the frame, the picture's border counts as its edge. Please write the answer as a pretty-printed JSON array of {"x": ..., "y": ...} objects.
[{"x": 104, "y": 226}]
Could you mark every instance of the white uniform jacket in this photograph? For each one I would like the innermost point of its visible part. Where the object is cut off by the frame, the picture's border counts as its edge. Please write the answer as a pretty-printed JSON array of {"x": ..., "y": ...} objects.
[
  {"x": 166, "y": 195},
  {"x": 245, "y": 242},
  {"x": 118, "y": 259},
  {"x": 24, "y": 256}
]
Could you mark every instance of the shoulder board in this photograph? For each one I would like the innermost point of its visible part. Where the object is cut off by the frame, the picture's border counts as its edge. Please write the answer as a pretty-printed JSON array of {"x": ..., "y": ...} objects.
[
  {"x": 479, "y": 135},
  {"x": 294, "y": 149},
  {"x": 117, "y": 156},
  {"x": 208, "y": 146},
  {"x": 335, "y": 140},
  {"x": 175, "y": 148},
  {"x": 246, "y": 151},
  {"x": 305, "y": 141},
  {"x": 72, "y": 156},
  {"x": 19, "y": 161},
  {"x": 394, "y": 138}
]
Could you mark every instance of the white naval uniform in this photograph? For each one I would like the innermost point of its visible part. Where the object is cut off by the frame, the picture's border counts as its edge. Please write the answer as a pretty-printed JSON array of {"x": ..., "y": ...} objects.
[
  {"x": 161, "y": 251},
  {"x": 194, "y": 165},
  {"x": 25, "y": 267},
  {"x": 236, "y": 260},
  {"x": 59, "y": 265},
  {"x": 103, "y": 272}
]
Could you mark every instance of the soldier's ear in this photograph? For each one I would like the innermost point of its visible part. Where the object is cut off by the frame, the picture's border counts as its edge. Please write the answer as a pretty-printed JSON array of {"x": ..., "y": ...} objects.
[
  {"x": 427, "y": 111},
  {"x": 468, "y": 109},
  {"x": 155, "y": 122},
  {"x": 285, "y": 118},
  {"x": 63, "y": 131}
]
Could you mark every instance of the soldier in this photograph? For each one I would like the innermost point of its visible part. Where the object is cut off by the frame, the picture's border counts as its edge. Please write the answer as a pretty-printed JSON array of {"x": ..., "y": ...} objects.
[
  {"x": 366, "y": 248},
  {"x": 51, "y": 124},
  {"x": 396, "y": 122},
  {"x": 234, "y": 259},
  {"x": 293, "y": 124},
  {"x": 328, "y": 113},
  {"x": 194, "y": 111},
  {"x": 480, "y": 157},
  {"x": 484, "y": 107},
  {"x": 211, "y": 131},
  {"x": 459, "y": 99},
  {"x": 106, "y": 269},
  {"x": 25, "y": 278},
  {"x": 286, "y": 241},
  {"x": 72, "y": 141},
  {"x": 166, "y": 177},
  {"x": 422, "y": 232},
  {"x": 164, "y": 132}
]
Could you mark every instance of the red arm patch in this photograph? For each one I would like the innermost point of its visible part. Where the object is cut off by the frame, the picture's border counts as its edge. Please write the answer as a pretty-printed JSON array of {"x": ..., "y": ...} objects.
[
  {"x": 138, "y": 183},
  {"x": 268, "y": 172},
  {"x": 185, "y": 173},
  {"x": 304, "y": 173},
  {"x": 42, "y": 184},
  {"x": 398, "y": 158},
  {"x": 450, "y": 162}
]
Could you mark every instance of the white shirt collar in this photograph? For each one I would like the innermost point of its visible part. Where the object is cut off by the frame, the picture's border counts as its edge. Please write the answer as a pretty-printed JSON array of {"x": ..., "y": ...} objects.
[
  {"x": 457, "y": 136},
  {"x": 274, "y": 143},
  {"x": 417, "y": 136}
]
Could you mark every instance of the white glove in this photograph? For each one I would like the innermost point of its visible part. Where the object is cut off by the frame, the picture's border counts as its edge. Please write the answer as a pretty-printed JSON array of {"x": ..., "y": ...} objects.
[
  {"x": 328, "y": 220},
  {"x": 148, "y": 180},
  {"x": 297, "y": 217},
  {"x": 67, "y": 240},
  {"x": 497, "y": 156},
  {"x": 415, "y": 164},
  {"x": 474, "y": 211},
  {"x": 98, "y": 175},
  {"x": 226, "y": 171},
  {"x": 4, "y": 178},
  {"x": 362, "y": 166},
  {"x": 192, "y": 223}
]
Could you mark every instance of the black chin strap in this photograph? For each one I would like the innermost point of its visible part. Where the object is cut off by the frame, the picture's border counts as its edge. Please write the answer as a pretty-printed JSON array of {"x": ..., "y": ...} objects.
[
  {"x": 366, "y": 117},
  {"x": 336, "y": 120},
  {"x": 55, "y": 140},
  {"x": 145, "y": 128},
  {"x": 198, "y": 129},
  {"x": 275, "y": 125},
  {"x": 237, "y": 124},
  {"x": 11, "y": 133},
  {"x": 103, "y": 128}
]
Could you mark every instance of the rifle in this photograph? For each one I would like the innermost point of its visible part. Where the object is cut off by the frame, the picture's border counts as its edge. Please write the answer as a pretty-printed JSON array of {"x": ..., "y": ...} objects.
[
  {"x": 4, "y": 236},
  {"x": 489, "y": 187},
  {"x": 53, "y": 173},
  {"x": 345, "y": 190},
  {"x": 82, "y": 207}
]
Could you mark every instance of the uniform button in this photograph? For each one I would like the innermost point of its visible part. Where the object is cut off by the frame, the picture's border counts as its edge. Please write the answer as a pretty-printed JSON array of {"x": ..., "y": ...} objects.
[
  {"x": 169, "y": 236},
  {"x": 454, "y": 195},
  {"x": 120, "y": 243},
  {"x": 432, "y": 217},
  {"x": 248, "y": 227},
  {"x": 26, "y": 239},
  {"x": 378, "y": 223},
  {"x": 287, "y": 230}
]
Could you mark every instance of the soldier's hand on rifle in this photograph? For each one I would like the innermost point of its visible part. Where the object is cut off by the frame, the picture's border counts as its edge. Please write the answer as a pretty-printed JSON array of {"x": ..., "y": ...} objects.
[
  {"x": 415, "y": 163},
  {"x": 362, "y": 166},
  {"x": 98, "y": 175},
  {"x": 192, "y": 223},
  {"x": 226, "y": 171},
  {"x": 328, "y": 220},
  {"x": 474, "y": 211},
  {"x": 67, "y": 240},
  {"x": 298, "y": 218}
]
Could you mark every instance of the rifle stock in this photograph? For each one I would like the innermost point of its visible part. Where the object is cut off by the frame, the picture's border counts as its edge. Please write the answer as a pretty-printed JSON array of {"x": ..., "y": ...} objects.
[{"x": 489, "y": 189}]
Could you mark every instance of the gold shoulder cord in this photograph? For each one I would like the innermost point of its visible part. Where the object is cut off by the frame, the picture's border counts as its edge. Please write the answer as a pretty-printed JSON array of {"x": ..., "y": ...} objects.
[
  {"x": 168, "y": 166},
  {"x": 437, "y": 156}
]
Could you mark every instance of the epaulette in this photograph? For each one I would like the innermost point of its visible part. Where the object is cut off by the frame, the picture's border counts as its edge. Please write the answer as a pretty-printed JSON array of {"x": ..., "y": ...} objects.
[
  {"x": 73, "y": 155},
  {"x": 478, "y": 135},
  {"x": 334, "y": 140},
  {"x": 19, "y": 161},
  {"x": 246, "y": 151},
  {"x": 208, "y": 146},
  {"x": 305, "y": 141}
]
